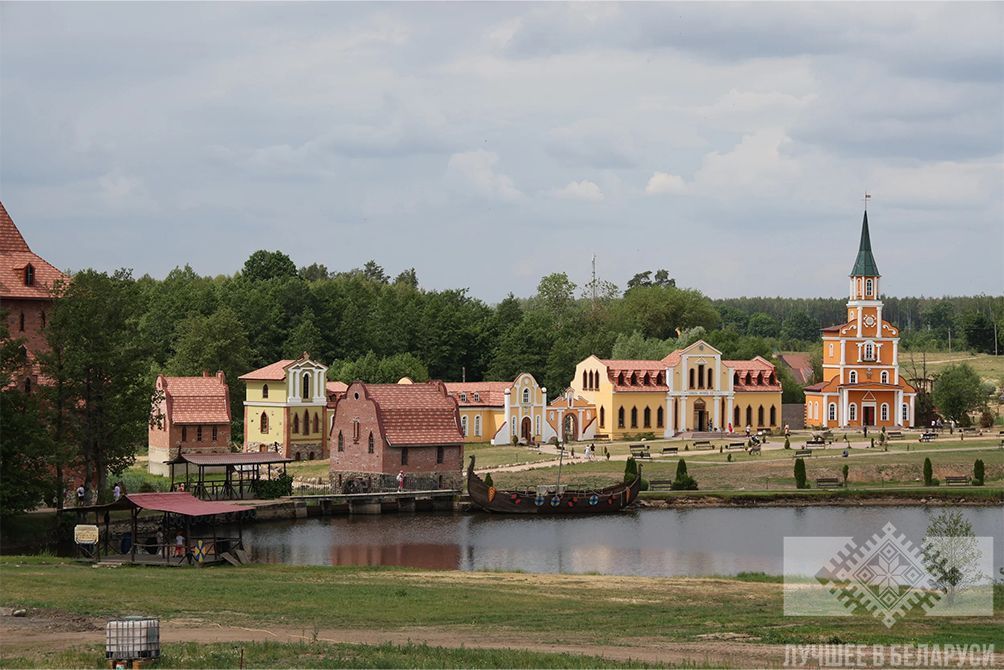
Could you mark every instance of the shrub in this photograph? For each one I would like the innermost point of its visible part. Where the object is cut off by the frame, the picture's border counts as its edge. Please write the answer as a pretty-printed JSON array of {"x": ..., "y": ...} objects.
[
  {"x": 683, "y": 481},
  {"x": 978, "y": 472},
  {"x": 800, "y": 482},
  {"x": 928, "y": 473},
  {"x": 728, "y": 457},
  {"x": 681, "y": 468},
  {"x": 488, "y": 480},
  {"x": 276, "y": 488},
  {"x": 846, "y": 471},
  {"x": 644, "y": 484},
  {"x": 630, "y": 470}
]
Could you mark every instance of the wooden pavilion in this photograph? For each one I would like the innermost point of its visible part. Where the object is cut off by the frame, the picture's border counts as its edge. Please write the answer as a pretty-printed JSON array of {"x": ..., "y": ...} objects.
[{"x": 242, "y": 473}]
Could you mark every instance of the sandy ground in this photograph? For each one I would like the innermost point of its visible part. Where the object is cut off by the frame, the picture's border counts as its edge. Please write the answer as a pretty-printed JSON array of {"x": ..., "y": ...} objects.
[{"x": 44, "y": 630}]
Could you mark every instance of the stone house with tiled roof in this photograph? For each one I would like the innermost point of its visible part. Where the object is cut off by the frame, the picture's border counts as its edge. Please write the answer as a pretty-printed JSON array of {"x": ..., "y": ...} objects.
[
  {"x": 690, "y": 390},
  {"x": 26, "y": 284},
  {"x": 193, "y": 415},
  {"x": 378, "y": 430}
]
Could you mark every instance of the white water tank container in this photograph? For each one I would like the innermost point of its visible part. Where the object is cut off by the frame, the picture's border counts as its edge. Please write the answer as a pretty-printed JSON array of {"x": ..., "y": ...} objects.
[{"x": 132, "y": 638}]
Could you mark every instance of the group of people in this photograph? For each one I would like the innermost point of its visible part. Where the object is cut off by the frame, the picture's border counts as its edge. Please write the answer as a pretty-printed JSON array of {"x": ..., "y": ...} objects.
[{"x": 83, "y": 495}]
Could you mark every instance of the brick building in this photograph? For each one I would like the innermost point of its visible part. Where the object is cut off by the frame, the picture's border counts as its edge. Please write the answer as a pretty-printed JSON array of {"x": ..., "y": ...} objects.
[
  {"x": 26, "y": 282},
  {"x": 195, "y": 417},
  {"x": 381, "y": 429}
]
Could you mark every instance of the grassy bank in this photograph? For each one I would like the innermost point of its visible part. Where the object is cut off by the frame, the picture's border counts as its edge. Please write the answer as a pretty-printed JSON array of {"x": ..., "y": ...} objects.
[
  {"x": 566, "y": 609},
  {"x": 978, "y": 495},
  {"x": 315, "y": 654}
]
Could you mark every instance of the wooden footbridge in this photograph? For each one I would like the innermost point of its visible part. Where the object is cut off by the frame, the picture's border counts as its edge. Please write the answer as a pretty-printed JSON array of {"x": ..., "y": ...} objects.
[{"x": 377, "y": 502}]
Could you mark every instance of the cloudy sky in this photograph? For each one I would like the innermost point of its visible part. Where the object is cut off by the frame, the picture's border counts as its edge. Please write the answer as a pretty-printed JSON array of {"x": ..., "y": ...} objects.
[{"x": 489, "y": 144}]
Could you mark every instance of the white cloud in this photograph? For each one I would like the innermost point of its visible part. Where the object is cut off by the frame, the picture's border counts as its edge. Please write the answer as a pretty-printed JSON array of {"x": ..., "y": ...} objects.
[
  {"x": 475, "y": 170},
  {"x": 663, "y": 182},
  {"x": 580, "y": 190}
]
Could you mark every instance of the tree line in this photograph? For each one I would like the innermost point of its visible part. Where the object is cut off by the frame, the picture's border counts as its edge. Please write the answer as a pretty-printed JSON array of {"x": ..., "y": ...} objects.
[{"x": 111, "y": 334}]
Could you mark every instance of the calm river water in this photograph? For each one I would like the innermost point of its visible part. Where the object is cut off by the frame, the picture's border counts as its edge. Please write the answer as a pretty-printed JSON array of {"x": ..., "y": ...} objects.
[{"x": 702, "y": 541}]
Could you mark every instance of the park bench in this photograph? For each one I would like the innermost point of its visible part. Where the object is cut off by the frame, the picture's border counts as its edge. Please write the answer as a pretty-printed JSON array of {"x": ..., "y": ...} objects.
[
  {"x": 670, "y": 450},
  {"x": 894, "y": 435},
  {"x": 703, "y": 445},
  {"x": 803, "y": 452},
  {"x": 660, "y": 484},
  {"x": 828, "y": 483},
  {"x": 928, "y": 437},
  {"x": 736, "y": 445},
  {"x": 640, "y": 451},
  {"x": 956, "y": 480},
  {"x": 816, "y": 442}
]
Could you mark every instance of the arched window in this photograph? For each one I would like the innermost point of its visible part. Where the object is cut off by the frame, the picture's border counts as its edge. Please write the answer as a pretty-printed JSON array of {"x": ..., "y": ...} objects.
[
  {"x": 526, "y": 396},
  {"x": 355, "y": 431},
  {"x": 869, "y": 351},
  {"x": 620, "y": 417},
  {"x": 711, "y": 380},
  {"x": 691, "y": 377},
  {"x": 306, "y": 422},
  {"x": 477, "y": 425},
  {"x": 885, "y": 376},
  {"x": 773, "y": 415},
  {"x": 634, "y": 417},
  {"x": 296, "y": 423},
  {"x": 21, "y": 322},
  {"x": 735, "y": 379},
  {"x": 29, "y": 275},
  {"x": 868, "y": 287},
  {"x": 586, "y": 378},
  {"x": 832, "y": 414},
  {"x": 749, "y": 415},
  {"x": 749, "y": 379},
  {"x": 463, "y": 425},
  {"x": 634, "y": 379},
  {"x": 646, "y": 380},
  {"x": 700, "y": 376},
  {"x": 341, "y": 441},
  {"x": 884, "y": 412},
  {"x": 310, "y": 456},
  {"x": 852, "y": 377},
  {"x": 659, "y": 418},
  {"x": 906, "y": 414},
  {"x": 371, "y": 446},
  {"x": 852, "y": 412},
  {"x": 658, "y": 379},
  {"x": 603, "y": 417},
  {"x": 735, "y": 417},
  {"x": 759, "y": 417},
  {"x": 647, "y": 418},
  {"x": 305, "y": 386},
  {"x": 317, "y": 423},
  {"x": 184, "y": 433},
  {"x": 264, "y": 391},
  {"x": 264, "y": 423},
  {"x": 759, "y": 379}
]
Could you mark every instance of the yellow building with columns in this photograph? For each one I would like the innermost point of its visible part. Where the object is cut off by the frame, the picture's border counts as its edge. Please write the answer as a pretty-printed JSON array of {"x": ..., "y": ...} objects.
[
  {"x": 690, "y": 390},
  {"x": 284, "y": 409},
  {"x": 496, "y": 411}
]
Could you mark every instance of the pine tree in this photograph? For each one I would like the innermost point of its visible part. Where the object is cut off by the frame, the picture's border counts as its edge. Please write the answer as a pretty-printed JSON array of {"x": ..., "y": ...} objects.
[
  {"x": 978, "y": 472},
  {"x": 630, "y": 469},
  {"x": 800, "y": 482},
  {"x": 928, "y": 473},
  {"x": 681, "y": 469}
]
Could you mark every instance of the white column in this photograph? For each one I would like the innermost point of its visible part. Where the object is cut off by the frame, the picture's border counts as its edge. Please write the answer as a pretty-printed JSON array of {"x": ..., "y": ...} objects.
[
  {"x": 899, "y": 407},
  {"x": 718, "y": 411},
  {"x": 508, "y": 415},
  {"x": 668, "y": 427},
  {"x": 842, "y": 419},
  {"x": 683, "y": 413}
]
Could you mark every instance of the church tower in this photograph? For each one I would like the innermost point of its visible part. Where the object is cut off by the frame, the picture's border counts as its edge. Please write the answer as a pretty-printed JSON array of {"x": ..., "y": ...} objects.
[{"x": 861, "y": 383}]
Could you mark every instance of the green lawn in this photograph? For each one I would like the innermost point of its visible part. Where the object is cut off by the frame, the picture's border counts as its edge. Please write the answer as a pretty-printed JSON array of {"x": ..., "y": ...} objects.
[
  {"x": 494, "y": 457},
  {"x": 568, "y": 609},
  {"x": 311, "y": 654}
]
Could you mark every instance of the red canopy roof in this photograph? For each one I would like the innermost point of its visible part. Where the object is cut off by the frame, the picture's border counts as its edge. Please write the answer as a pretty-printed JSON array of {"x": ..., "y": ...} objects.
[{"x": 183, "y": 503}]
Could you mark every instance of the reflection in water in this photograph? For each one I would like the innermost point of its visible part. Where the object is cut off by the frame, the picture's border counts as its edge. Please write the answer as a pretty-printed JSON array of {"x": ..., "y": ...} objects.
[{"x": 701, "y": 541}]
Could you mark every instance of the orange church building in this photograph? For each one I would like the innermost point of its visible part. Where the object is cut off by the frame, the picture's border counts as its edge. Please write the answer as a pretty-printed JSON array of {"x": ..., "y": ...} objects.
[{"x": 861, "y": 383}]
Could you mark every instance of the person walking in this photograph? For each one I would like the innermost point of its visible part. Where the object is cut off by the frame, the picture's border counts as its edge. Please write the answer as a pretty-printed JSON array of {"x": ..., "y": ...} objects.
[
  {"x": 400, "y": 480},
  {"x": 117, "y": 491},
  {"x": 81, "y": 495}
]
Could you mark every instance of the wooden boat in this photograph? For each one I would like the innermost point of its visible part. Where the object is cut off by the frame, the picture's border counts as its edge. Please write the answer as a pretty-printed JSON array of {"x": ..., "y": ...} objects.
[{"x": 552, "y": 500}]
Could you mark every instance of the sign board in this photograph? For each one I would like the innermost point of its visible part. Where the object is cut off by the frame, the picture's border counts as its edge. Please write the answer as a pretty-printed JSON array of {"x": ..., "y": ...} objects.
[{"x": 85, "y": 534}]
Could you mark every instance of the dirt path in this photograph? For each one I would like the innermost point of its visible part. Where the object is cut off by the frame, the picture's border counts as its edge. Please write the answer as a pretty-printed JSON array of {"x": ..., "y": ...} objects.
[{"x": 43, "y": 632}]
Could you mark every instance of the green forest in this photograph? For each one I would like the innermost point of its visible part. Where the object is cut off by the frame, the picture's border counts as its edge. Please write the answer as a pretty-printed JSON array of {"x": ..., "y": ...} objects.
[{"x": 112, "y": 334}]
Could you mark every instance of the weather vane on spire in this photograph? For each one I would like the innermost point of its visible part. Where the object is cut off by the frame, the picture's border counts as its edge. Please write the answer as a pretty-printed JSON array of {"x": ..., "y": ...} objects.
[{"x": 867, "y": 198}]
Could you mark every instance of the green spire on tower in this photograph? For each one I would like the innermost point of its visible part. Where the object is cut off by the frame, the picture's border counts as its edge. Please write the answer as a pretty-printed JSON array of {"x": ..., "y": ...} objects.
[{"x": 864, "y": 264}]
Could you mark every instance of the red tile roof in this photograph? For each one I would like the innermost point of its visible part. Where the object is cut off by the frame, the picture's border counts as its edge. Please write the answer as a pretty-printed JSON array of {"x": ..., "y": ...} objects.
[
  {"x": 273, "y": 372},
  {"x": 197, "y": 400},
  {"x": 800, "y": 366},
  {"x": 15, "y": 256},
  {"x": 335, "y": 388},
  {"x": 754, "y": 367},
  {"x": 490, "y": 394},
  {"x": 416, "y": 414}
]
